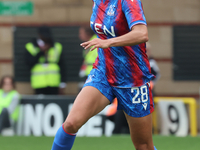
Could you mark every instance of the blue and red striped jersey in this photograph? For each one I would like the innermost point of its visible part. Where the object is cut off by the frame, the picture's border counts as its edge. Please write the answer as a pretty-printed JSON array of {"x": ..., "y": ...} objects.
[{"x": 126, "y": 66}]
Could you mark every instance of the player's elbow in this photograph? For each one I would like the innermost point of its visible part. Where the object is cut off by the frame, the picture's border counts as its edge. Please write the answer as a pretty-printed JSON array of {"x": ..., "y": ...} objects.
[
  {"x": 145, "y": 37},
  {"x": 142, "y": 33}
]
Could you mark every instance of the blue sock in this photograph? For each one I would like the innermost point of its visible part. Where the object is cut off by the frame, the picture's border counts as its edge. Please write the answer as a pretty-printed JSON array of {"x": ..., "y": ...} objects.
[
  {"x": 63, "y": 140},
  {"x": 155, "y": 148}
]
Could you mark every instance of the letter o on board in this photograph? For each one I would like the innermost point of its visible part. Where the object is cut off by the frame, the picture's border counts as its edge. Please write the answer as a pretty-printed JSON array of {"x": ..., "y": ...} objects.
[{"x": 50, "y": 110}]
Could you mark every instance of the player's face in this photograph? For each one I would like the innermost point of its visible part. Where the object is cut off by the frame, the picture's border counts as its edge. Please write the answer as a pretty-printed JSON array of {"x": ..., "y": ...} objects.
[{"x": 7, "y": 85}]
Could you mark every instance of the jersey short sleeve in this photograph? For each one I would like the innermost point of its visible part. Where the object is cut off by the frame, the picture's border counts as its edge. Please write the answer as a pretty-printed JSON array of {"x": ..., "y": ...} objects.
[{"x": 133, "y": 12}]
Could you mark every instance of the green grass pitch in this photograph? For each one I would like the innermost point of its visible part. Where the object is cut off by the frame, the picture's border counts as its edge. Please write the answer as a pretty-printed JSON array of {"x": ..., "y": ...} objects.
[{"x": 121, "y": 142}]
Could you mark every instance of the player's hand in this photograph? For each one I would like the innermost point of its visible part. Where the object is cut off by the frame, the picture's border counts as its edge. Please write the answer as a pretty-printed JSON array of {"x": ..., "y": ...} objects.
[
  {"x": 45, "y": 48},
  {"x": 96, "y": 43}
]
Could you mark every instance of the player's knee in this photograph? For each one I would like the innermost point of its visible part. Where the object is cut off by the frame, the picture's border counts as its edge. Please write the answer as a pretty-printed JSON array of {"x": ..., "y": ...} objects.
[{"x": 70, "y": 126}]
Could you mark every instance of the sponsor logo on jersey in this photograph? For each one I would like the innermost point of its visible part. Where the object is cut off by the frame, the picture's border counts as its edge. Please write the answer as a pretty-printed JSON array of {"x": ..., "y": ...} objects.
[{"x": 102, "y": 29}]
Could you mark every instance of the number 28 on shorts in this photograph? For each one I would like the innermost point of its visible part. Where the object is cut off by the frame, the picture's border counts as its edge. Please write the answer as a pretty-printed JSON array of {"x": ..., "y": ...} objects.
[{"x": 140, "y": 94}]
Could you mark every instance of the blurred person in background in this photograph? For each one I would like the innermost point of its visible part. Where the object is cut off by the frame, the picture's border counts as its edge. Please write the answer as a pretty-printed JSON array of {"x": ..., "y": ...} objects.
[
  {"x": 154, "y": 67},
  {"x": 86, "y": 34},
  {"x": 46, "y": 62},
  {"x": 9, "y": 105}
]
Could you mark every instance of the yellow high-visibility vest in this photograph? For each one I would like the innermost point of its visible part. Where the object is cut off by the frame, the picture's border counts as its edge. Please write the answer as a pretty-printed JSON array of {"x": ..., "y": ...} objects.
[
  {"x": 90, "y": 58},
  {"x": 6, "y": 101},
  {"x": 46, "y": 74}
]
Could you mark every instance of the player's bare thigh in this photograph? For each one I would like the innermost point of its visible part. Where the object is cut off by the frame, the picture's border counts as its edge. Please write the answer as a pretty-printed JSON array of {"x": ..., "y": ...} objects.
[
  {"x": 141, "y": 132},
  {"x": 88, "y": 103}
]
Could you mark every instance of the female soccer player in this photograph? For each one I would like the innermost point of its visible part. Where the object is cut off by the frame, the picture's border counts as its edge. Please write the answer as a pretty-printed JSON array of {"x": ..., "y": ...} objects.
[{"x": 121, "y": 70}]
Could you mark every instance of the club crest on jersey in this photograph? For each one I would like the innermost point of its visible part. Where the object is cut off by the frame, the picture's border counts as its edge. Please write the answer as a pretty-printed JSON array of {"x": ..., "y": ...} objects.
[{"x": 111, "y": 11}]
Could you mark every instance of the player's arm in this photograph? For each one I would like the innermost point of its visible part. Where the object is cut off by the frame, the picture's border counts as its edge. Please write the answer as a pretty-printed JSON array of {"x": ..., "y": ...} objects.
[{"x": 137, "y": 35}]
